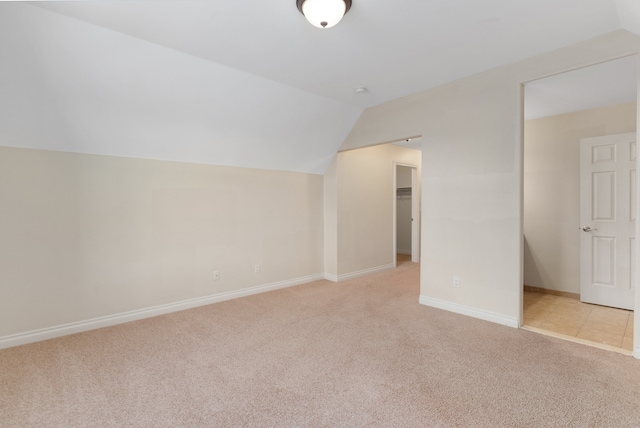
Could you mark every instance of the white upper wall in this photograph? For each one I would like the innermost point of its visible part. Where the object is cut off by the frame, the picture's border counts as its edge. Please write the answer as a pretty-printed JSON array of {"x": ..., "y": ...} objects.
[
  {"x": 629, "y": 15},
  {"x": 72, "y": 86}
]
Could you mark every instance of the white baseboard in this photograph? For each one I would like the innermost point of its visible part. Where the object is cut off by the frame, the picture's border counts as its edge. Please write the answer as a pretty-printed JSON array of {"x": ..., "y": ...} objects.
[
  {"x": 364, "y": 272},
  {"x": 138, "y": 314},
  {"x": 404, "y": 252},
  {"x": 469, "y": 311},
  {"x": 636, "y": 352},
  {"x": 331, "y": 277}
]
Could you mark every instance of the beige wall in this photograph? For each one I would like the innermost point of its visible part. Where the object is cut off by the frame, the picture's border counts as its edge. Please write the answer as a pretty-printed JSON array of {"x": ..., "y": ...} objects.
[
  {"x": 86, "y": 236},
  {"x": 331, "y": 221},
  {"x": 552, "y": 191},
  {"x": 365, "y": 206},
  {"x": 472, "y": 175}
]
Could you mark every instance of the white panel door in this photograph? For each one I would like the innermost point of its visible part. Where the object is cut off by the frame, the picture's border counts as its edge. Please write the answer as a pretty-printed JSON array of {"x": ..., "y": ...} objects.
[{"x": 607, "y": 220}]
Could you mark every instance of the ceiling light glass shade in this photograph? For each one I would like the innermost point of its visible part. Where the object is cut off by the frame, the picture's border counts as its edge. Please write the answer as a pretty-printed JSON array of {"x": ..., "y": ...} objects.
[{"x": 323, "y": 13}]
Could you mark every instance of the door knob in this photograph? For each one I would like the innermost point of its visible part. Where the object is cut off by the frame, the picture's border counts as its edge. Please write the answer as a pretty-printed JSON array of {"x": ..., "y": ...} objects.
[{"x": 587, "y": 229}]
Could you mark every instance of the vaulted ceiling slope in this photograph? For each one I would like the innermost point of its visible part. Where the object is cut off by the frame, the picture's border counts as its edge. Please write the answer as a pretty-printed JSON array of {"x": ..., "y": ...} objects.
[
  {"x": 250, "y": 83},
  {"x": 72, "y": 86}
]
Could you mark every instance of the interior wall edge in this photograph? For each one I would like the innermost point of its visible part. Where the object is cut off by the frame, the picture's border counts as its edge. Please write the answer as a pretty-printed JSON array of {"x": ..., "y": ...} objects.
[{"x": 331, "y": 277}]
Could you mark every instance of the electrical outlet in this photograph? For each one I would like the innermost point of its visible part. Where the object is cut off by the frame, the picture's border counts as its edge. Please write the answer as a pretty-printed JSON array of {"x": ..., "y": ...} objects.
[
  {"x": 216, "y": 275},
  {"x": 456, "y": 281},
  {"x": 256, "y": 269}
]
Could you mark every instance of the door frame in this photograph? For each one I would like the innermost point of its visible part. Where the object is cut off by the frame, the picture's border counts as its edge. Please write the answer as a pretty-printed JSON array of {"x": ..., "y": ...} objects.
[
  {"x": 520, "y": 157},
  {"x": 415, "y": 212}
]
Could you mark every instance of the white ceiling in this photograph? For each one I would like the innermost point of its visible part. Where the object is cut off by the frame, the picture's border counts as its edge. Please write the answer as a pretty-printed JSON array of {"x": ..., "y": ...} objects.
[
  {"x": 250, "y": 82},
  {"x": 394, "y": 48}
]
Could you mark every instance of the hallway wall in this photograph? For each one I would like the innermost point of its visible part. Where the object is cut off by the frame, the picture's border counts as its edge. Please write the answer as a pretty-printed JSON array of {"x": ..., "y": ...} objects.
[{"x": 365, "y": 194}]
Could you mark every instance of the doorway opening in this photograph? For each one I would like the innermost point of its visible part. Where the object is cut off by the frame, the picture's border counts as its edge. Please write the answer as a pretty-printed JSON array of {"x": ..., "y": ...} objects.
[
  {"x": 406, "y": 214},
  {"x": 560, "y": 111}
]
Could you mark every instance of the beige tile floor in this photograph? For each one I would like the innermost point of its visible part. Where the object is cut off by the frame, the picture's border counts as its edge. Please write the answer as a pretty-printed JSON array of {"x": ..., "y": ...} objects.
[{"x": 564, "y": 315}]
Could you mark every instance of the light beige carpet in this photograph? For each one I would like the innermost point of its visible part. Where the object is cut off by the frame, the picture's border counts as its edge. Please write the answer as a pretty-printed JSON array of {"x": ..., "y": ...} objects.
[{"x": 361, "y": 353}]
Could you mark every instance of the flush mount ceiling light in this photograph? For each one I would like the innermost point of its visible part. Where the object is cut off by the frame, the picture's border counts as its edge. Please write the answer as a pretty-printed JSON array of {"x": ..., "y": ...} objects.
[{"x": 323, "y": 13}]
